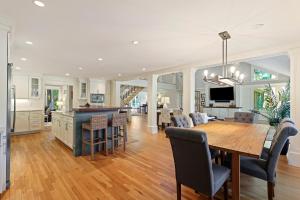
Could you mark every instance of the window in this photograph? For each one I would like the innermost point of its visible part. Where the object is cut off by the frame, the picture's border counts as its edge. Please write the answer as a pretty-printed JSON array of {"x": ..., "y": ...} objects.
[{"x": 260, "y": 75}]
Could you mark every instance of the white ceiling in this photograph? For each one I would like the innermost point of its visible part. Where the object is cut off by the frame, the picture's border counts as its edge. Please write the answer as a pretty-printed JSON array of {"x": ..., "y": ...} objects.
[{"x": 68, "y": 34}]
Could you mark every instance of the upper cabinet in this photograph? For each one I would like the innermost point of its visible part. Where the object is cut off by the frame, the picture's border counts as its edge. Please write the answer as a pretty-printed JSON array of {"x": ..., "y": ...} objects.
[
  {"x": 21, "y": 86},
  {"x": 83, "y": 89},
  {"x": 34, "y": 87},
  {"x": 27, "y": 87}
]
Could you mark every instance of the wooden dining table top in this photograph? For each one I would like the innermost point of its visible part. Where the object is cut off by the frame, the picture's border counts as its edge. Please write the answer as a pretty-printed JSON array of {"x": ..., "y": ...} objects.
[{"x": 242, "y": 138}]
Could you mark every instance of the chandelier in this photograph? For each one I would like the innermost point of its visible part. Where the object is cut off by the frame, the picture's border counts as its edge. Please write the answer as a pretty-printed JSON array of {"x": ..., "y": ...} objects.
[{"x": 235, "y": 77}]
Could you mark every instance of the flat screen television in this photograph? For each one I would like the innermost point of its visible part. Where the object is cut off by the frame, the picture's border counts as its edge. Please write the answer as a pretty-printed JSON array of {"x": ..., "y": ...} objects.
[{"x": 223, "y": 94}]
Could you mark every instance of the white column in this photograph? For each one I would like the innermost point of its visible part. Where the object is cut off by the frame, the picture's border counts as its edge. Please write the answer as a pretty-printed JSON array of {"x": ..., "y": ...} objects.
[
  {"x": 115, "y": 93},
  {"x": 152, "y": 103},
  {"x": 294, "y": 152},
  {"x": 189, "y": 91}
]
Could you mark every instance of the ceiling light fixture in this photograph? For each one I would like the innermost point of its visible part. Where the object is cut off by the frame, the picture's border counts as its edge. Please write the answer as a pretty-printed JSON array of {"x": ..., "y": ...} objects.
[
  {"x": 23, "y": 59},
  {"x": 100, "y": 59},
  {"x": 29, "y": 42},
  {"x": 18, "y": 68},
  {"x": 39, "y": 3},
  {"x": 119, "y": 74},
  {"x": 135, "y": 42},
  {"x": 144, "y": 69},
  {"x": 80, "y": 68},
  {"x": 67, "y": 74},
  {"x": 235, "y": 78}
]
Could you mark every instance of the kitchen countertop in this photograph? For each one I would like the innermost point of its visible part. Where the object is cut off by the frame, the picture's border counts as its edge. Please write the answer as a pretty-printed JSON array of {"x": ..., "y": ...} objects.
[
  {"x": 223, "y": 107},
  {"x": 98, "y": 108},
  {"x": 70, "y": 114}
]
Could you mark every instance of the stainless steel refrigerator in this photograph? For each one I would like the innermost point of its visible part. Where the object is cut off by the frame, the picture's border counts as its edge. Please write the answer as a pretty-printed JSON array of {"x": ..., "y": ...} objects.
[{"x": 11, "y": 118}]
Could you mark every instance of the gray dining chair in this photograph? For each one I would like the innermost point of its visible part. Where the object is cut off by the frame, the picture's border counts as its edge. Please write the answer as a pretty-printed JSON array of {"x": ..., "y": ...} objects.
[
  {"x": 270, "y": 135},
  {"x": 197, "y": 120},
  {"x": 244, "y": 117},
  {"x": 193, "y": 166},
  {"x": 181, "y": 121},
  {"x": 266, "y": 169}
]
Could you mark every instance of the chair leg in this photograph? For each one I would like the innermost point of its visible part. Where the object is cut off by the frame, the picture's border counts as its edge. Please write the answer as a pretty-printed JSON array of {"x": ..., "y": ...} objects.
[
  {"x": 105, "y": 138},
  {"x": 124, "y": 137},
  {"x": 112, "y": 139},
  {"x": 92, "y": 144},
  {"x": 270, "y": 191},
  {"x": 226, "y": 190},
  {"x": 217, "y": 160},
  {"x": 178, "y": 191}
]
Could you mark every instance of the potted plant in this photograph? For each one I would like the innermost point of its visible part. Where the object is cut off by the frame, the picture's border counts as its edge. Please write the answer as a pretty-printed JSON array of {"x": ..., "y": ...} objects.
[{"x": 276, "y": 108}]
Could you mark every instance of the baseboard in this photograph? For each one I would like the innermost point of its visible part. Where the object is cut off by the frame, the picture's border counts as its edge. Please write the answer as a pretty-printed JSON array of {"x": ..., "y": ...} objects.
[
  {"x": 294, "y": 158},
  {"x": 153, "y": 129}
]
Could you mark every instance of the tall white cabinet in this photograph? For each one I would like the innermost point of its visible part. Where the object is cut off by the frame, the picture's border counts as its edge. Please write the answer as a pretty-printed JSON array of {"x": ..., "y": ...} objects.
[{"x": 27, "y": 87}]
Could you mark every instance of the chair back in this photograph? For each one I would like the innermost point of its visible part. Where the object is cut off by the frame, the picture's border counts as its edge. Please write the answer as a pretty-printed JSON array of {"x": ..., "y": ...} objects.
[
  {"x": 284, "y": 131},
  {"x": 198, "y": 118},
  {"x": 192, "y": 159},
  {"x": 244, "y": 117},
  {"x": 119, "y": 119},
  {"x": 99, "y": 122},
  {"x": 181, "y": 121},
  {"x": 165, "y": 115}
]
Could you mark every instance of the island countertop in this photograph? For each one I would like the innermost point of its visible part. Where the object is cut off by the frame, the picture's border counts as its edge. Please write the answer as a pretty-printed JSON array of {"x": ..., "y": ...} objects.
[{"x": 99, "y": 108}]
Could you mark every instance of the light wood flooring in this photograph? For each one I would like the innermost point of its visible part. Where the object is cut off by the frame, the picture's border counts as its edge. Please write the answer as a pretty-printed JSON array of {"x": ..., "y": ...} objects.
[{"x": 43, "y": 168}]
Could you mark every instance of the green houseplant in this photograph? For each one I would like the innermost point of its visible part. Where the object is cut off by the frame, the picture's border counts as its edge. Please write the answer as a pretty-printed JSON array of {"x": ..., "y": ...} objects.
[{"x": 276, "y": 107}]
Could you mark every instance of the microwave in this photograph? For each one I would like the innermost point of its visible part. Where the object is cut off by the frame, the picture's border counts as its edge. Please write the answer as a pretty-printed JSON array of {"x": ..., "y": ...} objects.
[{"x": 97, "y": 98}]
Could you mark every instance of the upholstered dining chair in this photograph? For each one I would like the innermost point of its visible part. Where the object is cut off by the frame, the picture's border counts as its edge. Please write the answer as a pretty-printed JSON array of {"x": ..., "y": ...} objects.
[
  {"x": 244, "y": 117},
  {"x": 270, "y": 135},
  {"x": 193, "y": 166},
  {"x": 165, "y": 117},
  {"x": 197, "y": 119},
  {"x": 181, "y": 121},
  {"x": 177, "y": 112},
  {"x": 266, "y": 169}
]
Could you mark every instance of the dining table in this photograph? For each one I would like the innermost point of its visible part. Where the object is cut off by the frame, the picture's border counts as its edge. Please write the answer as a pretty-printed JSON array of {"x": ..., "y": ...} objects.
[{"x": 239, "y": 139}]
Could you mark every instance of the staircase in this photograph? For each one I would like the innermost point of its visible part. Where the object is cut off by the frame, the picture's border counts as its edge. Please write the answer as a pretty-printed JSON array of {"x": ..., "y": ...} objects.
[{"x": 128, "y": 92}]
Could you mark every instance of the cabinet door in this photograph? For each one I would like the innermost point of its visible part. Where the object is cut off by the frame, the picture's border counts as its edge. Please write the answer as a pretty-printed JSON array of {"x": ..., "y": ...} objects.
[
  {"x": 70, "y": 133},
  {"x": 34, "y": 87},
  {"x": 83, "y": 90},
  {"x": 22, "y": 122},
  {"x": 35, "y": 120},
  {"x": 223, "y": 113},
  {"x": 21, "y": 85}
]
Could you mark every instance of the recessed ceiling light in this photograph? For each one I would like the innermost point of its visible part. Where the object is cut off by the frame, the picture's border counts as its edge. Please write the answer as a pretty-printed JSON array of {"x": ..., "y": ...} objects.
[
  {"x": 119, "y": 74},
  {"x": 67, "y": 74},
  {"x": 29, "y": 42},
  {"x": 100, "y": 59},
  {"x": 135, "y": 42},
  {"x": 23, "y": 59},
  {"x": 257, "y": 26},
  {"x": 144, "y": 69},
  {"x": 80, "y": 68},
  {"x": 39, "y": 3},
  {"x": 18, "y": 68}
]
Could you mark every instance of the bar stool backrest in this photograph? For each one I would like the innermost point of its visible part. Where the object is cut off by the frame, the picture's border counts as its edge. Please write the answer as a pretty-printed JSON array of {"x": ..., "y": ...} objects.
[
  {"x": 99, "y": 122},
  {"x": 119, "y": 119}
]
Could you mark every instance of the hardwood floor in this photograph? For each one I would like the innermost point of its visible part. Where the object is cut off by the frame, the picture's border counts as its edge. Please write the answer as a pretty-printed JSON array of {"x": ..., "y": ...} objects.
[{"x": 43, "y": 168}]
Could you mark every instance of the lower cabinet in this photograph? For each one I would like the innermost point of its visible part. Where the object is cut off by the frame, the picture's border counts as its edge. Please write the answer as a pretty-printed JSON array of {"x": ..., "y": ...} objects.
[
  {"x": 28, "y": 121},
  {"x": 63, "y": 129},
  {"x": 221, "y": 113}
]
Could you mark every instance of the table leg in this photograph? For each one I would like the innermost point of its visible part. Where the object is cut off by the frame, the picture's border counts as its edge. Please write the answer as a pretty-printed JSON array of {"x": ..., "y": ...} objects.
[{"x": 235, "y": 163}]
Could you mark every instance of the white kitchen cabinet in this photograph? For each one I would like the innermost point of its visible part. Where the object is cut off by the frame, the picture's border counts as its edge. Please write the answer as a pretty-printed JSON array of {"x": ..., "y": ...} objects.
[
  {"x": 63, "y": 128},
  {"x": 21, "y": 84},
  {"x": 34, "y": 87},
  {"x": 35, "y": 120},
  {"x": 29, "y": 121},
  {"x": 22, "y": 121},
  {"x": 83, "y": 89}
]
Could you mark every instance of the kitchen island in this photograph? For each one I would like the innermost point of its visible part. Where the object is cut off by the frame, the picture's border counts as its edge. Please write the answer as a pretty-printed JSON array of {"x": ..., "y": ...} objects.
[{"x": 67, "y": 126}]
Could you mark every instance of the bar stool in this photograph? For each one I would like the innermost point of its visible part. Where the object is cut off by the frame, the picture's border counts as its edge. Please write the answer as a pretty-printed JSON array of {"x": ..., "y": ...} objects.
[
  {"x": 97, "y": 123},
  {"x": 119, "y": 124}
]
